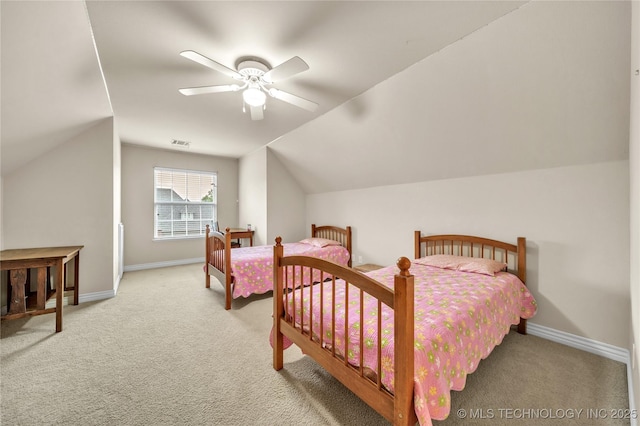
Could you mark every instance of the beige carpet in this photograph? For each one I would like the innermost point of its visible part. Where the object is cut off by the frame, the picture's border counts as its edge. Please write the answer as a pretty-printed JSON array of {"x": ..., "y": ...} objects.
[{"x": 165, "y": 352}]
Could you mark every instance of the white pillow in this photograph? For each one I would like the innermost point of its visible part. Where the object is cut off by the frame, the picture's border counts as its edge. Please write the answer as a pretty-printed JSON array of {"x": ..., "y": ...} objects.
[
  {"x": 320, "y": 242},
  {"x": 462, "y": 263}
]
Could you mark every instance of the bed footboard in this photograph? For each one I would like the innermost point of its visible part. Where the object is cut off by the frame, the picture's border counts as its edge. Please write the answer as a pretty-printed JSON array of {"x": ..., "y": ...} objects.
[
  {"x": 314, "y": 337},
  {"x": 218, "y": 261}
]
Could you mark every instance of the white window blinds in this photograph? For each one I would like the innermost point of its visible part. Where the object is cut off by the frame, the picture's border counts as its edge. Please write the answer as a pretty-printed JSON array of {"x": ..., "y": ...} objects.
[{"x": 185, "y": 202}]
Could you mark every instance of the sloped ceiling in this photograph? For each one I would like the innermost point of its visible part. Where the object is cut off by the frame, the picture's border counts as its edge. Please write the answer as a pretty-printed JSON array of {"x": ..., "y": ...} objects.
[
  {"x": 52, "y": 88},
  {"x": 546, "y": 86}
]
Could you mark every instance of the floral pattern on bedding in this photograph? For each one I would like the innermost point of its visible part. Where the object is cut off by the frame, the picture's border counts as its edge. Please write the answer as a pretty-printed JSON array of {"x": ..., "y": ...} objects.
[
  {"x": 459, "y": 318},
  {"x": 252, "y": 267}
]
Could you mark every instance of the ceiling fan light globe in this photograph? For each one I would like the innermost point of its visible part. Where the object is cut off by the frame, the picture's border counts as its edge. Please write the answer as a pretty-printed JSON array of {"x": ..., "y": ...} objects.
[{"x": 254, "y": 97}]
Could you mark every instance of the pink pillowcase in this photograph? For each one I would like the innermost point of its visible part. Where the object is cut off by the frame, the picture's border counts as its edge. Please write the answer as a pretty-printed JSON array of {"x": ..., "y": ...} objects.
[
  {"x": 462, "y": 263},
  {"x": 320, "y": 242}
]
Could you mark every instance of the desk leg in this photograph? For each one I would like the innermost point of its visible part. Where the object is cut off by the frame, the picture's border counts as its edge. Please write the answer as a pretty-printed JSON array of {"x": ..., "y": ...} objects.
[
  {"x": 17, "y": 278},
  {"x": 41, "y": 295},
  {"x": 59, "y": 280},
  {"x": 76, "y": 272}
]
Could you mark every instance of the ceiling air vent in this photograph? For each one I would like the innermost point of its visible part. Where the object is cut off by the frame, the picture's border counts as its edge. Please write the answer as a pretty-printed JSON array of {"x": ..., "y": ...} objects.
[{"x": 181, "y": 144}]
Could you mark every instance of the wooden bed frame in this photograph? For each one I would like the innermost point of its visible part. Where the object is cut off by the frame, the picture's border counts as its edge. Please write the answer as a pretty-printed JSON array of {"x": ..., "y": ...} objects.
[
  {"x": 218, "y": 254},
  {"x": 398, "y": 407}
]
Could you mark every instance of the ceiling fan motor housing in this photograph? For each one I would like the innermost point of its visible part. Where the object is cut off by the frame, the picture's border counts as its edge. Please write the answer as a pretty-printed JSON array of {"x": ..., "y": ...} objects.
[{"x": 253, "y": 70}]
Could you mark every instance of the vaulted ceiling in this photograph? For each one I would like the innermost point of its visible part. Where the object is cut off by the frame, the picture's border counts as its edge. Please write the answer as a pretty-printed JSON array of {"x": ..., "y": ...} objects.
[{"x": 66, "y": 65}]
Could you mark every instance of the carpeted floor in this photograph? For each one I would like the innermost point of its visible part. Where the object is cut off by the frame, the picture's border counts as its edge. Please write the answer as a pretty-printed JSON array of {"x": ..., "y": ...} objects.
[{"x": 165, "y": 352}]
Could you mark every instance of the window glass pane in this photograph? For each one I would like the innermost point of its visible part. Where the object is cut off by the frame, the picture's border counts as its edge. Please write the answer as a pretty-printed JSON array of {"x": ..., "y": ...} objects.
[
  {"x": 206, "y": 212},
  {"x": 163, "y": 228},
  {"x": 193, "y": 227},
  {"x": 185, "y": 202},
  {"x": 179, "y": 227}
]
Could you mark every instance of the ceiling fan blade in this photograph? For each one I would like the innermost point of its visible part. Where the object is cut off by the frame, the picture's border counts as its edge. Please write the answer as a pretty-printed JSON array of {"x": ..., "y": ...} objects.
[
  {"x": 293, "y": 99},
  {"x": 257, "y": 113},
  {"x": 188, "y": 91},
  {"x": 210, "y": 63},
  {"x": 286, "y": 69}
]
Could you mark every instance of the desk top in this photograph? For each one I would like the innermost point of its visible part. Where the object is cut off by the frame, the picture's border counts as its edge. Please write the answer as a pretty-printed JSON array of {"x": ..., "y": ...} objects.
[
  {"x": 38, "y": 253},
  {"x": 239, "y": 230}
]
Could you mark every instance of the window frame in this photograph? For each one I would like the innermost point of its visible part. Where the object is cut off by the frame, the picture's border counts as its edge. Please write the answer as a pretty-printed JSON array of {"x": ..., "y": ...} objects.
[{"x": 188, "y": 215}]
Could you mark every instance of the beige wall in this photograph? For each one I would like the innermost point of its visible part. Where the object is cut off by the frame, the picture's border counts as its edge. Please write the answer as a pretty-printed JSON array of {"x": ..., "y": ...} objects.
[
  {"x": 67, "y": 197},
  {"x": 253, "y": 193},
  {"x": 140, "y": 249},
  {"x": 634, "y": 165},
  {"x": 285, "y": 204},
  {"x": 575, "y": 219},
  {"x": 270, "y": 199}
]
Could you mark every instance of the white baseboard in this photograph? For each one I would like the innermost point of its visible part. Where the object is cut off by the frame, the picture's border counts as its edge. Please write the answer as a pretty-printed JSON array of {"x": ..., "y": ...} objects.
[
  {"x": 588, "y": 345},
  {"x": 99, "y": 295},
  {"x": 592, "y": 346},
  {"x": 163, "y": 264},
  {"x": 116, "y": 284}
]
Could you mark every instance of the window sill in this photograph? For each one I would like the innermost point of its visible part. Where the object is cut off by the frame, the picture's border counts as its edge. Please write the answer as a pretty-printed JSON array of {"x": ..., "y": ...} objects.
[{"x": 190, "y": 237}]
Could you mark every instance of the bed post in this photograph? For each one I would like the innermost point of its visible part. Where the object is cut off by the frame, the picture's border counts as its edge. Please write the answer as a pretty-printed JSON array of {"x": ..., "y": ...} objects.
[
  {"x": 403, "y": 411},
  {"x": 522, "y": 274},
  {"x": 227, "y": 269},
  {"x": 278, "y": 305},
  {"x": 207, "y": 251},
  {"x": 416, "y": 244},
  {"x": 349, "y": 246}
]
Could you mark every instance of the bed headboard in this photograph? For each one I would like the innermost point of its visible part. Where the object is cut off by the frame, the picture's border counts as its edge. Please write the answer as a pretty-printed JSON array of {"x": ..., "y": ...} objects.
[
  {"x": 514, "y": 255},
  {"x": 342, "y": 235}
]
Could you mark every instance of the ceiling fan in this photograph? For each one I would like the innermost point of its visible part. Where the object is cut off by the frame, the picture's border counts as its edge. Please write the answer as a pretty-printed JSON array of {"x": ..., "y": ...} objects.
[{"x": 254, "y": 77}]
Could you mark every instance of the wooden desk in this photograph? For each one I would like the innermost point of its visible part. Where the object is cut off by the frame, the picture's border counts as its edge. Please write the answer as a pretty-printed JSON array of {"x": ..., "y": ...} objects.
[
  {"x": 239, "y": 233},
  {"x": 18, "y": 262}
]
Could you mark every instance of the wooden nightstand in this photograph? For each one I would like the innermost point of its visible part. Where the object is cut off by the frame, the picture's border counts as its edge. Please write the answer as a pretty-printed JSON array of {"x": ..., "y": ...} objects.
[{"x": 367, "y": 267}]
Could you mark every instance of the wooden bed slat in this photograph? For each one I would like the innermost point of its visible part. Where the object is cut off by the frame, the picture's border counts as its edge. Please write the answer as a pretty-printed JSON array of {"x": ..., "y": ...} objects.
[
  {"x": 346, "y": 325},
  {"x": 333, "y": 316}
]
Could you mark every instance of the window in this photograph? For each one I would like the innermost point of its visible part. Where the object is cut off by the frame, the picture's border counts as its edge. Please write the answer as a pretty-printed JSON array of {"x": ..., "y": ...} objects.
[{"x": 185, "y": 202}]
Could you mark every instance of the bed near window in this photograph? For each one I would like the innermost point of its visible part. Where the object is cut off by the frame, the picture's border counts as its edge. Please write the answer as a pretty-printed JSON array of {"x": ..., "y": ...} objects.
[
  {"x": 412, "y": 331},
  {"x": 249, "y": 270}
]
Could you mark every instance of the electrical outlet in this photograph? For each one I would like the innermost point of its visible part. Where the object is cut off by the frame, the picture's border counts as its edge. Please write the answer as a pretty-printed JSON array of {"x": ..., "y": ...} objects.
[{"x": 360, "y": 260}]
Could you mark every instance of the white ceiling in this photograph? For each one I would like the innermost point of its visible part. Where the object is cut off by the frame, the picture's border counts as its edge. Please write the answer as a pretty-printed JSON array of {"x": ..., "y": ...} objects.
[{"x": 52, "y": 87}]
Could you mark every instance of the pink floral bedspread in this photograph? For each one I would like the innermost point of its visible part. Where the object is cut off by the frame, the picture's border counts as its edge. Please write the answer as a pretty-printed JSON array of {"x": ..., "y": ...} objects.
[
  {"x": 252, "y": 267},
  {"x": 459, "y": 318}
]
